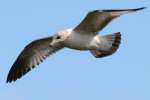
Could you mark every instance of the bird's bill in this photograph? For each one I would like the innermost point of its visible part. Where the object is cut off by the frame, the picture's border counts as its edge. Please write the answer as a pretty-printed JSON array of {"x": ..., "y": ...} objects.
[{"x": 52, "y": 43}]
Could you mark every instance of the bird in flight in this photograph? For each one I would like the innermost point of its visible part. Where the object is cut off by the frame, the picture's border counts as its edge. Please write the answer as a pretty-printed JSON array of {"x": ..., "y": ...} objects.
[{"x": 83, "y": 37}]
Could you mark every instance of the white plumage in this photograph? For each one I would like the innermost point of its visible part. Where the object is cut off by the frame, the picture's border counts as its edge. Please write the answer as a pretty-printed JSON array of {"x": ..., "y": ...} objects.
[{"x": 83, "y": 37}]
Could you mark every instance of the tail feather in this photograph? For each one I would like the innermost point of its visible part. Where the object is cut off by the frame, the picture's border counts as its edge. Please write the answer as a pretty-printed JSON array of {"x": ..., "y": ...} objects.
[{"x": 114, "y": 41}]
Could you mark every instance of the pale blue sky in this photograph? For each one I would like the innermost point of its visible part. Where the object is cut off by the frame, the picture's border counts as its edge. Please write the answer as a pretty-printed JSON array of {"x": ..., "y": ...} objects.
[{"x": 70, "y": 74}]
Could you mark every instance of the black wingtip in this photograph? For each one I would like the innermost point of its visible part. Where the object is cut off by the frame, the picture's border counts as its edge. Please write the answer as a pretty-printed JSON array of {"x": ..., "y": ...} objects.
[
  {"x": 8, "y": 81},
  {"x": 137, "y": 9},
  {"x": 117, "y": 10}
]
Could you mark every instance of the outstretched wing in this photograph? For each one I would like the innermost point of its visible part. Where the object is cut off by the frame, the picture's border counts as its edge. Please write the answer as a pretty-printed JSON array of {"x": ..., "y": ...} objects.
[
  {"x": 32, "y": 55},
  {"x": 98, "y": 19}
]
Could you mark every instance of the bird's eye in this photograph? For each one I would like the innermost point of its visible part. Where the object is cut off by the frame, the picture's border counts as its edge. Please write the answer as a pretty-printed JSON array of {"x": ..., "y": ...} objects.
[{"x": 58, "y": 37}]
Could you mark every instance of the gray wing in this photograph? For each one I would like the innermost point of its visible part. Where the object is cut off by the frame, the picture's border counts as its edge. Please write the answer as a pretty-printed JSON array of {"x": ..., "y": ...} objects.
[
  {"x": 98, "y": 19},
  {"x": 32, "y": 55}
]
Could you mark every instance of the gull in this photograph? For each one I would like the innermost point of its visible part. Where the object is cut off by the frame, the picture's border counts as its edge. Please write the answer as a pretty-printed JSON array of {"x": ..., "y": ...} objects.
[{"x": 83, "y": 37}]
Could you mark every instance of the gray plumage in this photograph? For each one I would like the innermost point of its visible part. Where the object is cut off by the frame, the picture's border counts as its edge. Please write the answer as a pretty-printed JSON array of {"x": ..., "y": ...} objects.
[{"x": 83, "y": 37}]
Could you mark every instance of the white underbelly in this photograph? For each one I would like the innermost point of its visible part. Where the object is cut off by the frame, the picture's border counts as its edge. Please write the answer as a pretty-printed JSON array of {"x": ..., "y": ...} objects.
[{"x": 79, "y": 42}]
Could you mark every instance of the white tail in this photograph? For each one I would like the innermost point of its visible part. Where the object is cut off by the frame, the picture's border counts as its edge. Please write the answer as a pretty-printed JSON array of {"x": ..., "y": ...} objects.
[{"x": 113, "y": 41}]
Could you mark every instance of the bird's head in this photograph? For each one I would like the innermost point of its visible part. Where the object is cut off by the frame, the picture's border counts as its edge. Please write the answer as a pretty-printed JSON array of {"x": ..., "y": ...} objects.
[{"x": 60, "y": 37}]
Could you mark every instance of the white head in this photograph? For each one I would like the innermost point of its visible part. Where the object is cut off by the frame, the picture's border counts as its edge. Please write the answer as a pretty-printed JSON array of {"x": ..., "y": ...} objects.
[{"x": 60, "y": 37}]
